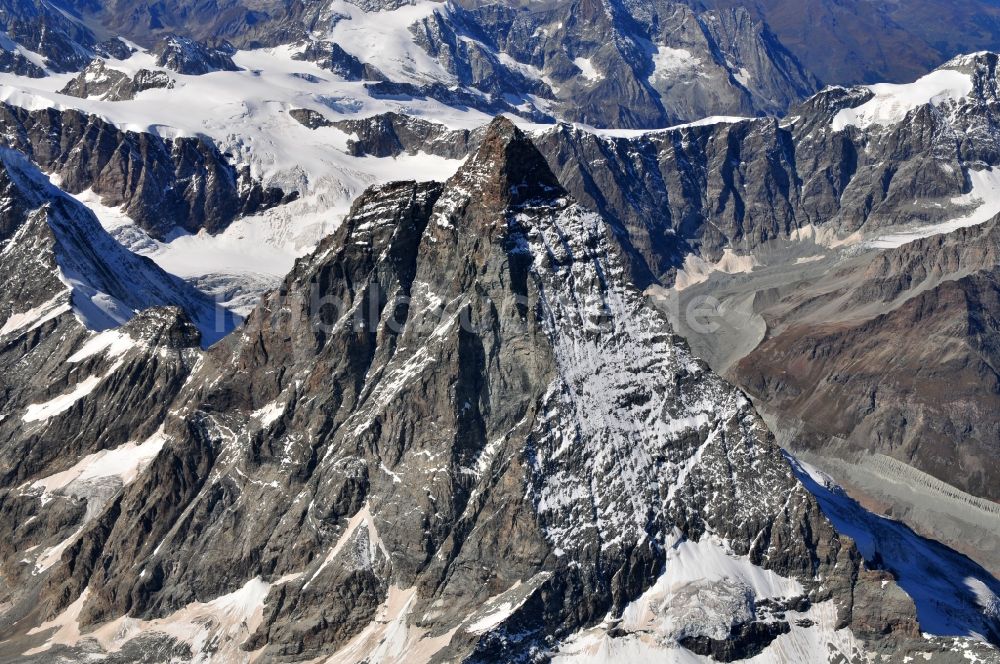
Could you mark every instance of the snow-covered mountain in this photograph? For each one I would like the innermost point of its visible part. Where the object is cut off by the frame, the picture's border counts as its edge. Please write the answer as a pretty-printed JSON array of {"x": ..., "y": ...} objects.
[{"x": 58, "y": 258}]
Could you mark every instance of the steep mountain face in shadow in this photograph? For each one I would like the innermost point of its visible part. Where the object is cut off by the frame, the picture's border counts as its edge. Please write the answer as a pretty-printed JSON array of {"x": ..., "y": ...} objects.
[{"x": 856, "y": 41}]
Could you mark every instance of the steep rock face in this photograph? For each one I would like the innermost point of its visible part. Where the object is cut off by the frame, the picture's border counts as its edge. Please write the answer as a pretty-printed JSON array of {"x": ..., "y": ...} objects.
[
  {"x": 11, "y": 61},
  {"x": 145, "y": 22},
  {"x": 392, "y": 134},
  {"x": 70, "y": 395},
  {"x": 875, "y": 42},
  {"x": 457, "y": 421},
  {"x": 850, "y": 173},
  {"x": 58, "y": 258},
  {"x": 458, "y": 97},
  {"x": 114, "y": 48},
  {"x": 95, "y": 344},
  {"x": 666, "y": 193},
  {"x": 162, "y": 184},
  {"x": 742, "y": 185},
  {"x": 80, "y": 420},
  {"x": 721, "y": 60},
  {"x": 469, "y": 51},
  {"x": 828, "y": 170},
  {"x": 42, "y": 27},
  {"x": 672, "y": 59},
  {"x": 663, "y": 63}
]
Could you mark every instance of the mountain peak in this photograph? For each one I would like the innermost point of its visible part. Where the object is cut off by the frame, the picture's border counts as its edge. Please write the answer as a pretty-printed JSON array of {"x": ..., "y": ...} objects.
[
  {"x": 508, "y": 170},
  {"x": 969, "y": 61}
]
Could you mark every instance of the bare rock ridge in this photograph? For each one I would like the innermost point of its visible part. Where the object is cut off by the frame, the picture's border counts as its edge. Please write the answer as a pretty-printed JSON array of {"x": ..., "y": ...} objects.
[
  {"x": 603, "y": 62},
  {"x": 15, "y": 63},
  {"x": 733, "y": 191},
  {"x": 187, "y": 56},
  {"x": 43, "y": 28},
  {"x": 65, "y": 277},
  {"x": 457, "y": 420},
  {"x": 59, "y": 257},
  {"x": 472, "y": 424},
  {"x": 99, "y": 81},
  {"x": 875, "y": 42},
  {"x": 332, "y": 56},
  {"x": 664, "y": 64}
]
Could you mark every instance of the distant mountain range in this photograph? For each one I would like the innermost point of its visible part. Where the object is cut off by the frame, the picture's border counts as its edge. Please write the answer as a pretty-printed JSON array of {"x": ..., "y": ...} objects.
[{"x": 615, "y": 63}]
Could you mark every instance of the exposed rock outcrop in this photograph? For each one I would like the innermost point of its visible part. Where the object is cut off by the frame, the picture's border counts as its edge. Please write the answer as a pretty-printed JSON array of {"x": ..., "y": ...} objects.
[
  {"x": 187, "y": 56},
  {"x": 42, "y": 27},
  {"x": 98, "y": 81},
  {"x": 12, "y": 62},
  {"x": 161, "y": 183},
  {"x": 331, "y": 56}
]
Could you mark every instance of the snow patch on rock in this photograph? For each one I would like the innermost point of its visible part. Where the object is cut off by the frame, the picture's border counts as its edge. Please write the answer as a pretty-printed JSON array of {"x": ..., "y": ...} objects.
[
  {"x": 111, "y": 343},
  {"x": 892, "y": 102},
  {"x": 214, "y": 630},
  {"x": 391, "y": 638},
  {"x": 122, "y": 463},
  {"x": 39, "y": 412},
  {"x": 668, "y": 62},
  {"x": 983, "y": 198},
  {"x": 36, "y": 316},
  {"x": 588, "y": 70}
]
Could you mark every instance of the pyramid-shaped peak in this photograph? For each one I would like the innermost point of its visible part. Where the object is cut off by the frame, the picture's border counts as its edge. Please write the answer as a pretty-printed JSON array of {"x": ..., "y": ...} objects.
[{"x": 508, "y": 170}]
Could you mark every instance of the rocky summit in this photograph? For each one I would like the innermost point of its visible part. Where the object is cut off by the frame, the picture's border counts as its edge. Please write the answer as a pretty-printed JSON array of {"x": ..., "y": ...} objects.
[{"x": 574, "y": 331}]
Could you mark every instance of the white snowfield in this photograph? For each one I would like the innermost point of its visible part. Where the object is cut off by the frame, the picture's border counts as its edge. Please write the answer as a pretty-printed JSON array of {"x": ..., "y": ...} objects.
[
  {"x": 892, "y": 102},
  {"x": 37, "y": 412},
  {"x": 96, "y": 478},
  {"x": 982, "y": 203},
  {"x": 123, "y": 464},
  {"x": 36, "y": 316}
]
